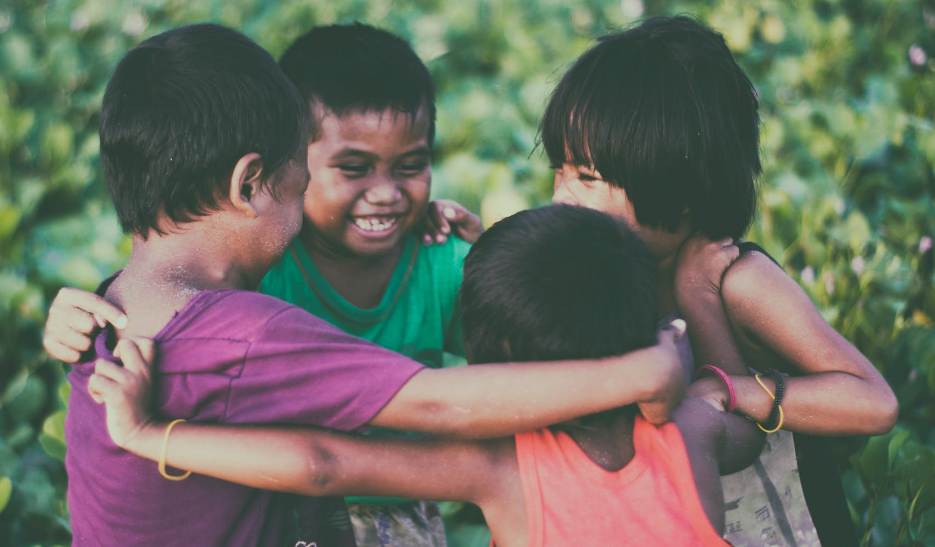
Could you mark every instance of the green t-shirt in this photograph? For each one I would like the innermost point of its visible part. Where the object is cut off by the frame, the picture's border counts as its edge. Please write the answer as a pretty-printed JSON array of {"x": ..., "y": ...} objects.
[{"x": 419, "y": 316}]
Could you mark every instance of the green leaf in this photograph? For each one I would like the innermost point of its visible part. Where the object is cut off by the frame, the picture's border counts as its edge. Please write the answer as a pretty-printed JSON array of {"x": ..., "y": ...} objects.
[
  {"x": 893, "y": 448},
  {"x": 874, "y": 462},
  {"x": 6, "y": 490}
]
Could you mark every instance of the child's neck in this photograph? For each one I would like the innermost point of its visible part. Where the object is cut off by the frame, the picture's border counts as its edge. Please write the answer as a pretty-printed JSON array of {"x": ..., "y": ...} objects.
[
  {"x": 608, "y": 444},
  {"x": 164, "y": 273},
  {"x": 361, "y": 280}
]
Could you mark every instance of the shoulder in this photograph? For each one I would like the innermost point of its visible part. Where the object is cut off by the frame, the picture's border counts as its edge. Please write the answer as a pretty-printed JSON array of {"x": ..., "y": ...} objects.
[
  {"x": 258, "y": 315},
  {"x": 448, "y": 255},
  {"x": 755, "y": 279}
]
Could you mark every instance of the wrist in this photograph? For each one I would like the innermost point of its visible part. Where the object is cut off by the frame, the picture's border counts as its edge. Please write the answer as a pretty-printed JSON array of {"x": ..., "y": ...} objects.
[
  {"x": 146, "y": 439},
  {"x": 752, "y": 400}
]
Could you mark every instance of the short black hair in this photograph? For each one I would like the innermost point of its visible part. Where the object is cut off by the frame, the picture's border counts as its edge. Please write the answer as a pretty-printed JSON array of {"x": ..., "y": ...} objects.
[
  {"x": 179, "y": 111},
  {"x": 663, "y": 111},
  {"x": 558, "y": 282},
  {"x": 356, "y": 67}
]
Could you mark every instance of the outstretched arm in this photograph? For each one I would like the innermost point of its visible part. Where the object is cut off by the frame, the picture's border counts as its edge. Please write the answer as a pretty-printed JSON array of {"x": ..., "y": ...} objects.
[
  {"x": 839, "y": 393},
  {"x": 307, "y": 461},
  {"x": 482, "y": 401}
]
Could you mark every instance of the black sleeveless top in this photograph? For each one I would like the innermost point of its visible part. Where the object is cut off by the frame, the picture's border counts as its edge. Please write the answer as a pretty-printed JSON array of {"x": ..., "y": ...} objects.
[{"x": 821, "y": 482}]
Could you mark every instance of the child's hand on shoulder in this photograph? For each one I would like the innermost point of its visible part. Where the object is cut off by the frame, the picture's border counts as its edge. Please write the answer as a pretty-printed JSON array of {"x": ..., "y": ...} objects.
[
  {"x": 74, "y": 317},
  {"x": 669, "y": 378},
  {"x": 700, "y": 267},
  {"x": 445, "y": 217},
  {"x": 125, "y": 390}
]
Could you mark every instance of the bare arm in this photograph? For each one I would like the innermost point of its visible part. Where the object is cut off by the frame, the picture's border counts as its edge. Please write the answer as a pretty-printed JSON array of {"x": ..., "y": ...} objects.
[
  {"x": 700, "y": 270},
  {"x": 718, "y": 443},
  {"x": 839, "y": 393},
  {"x": 495, "y": 400},
  {"x": 306, "y": 461}
]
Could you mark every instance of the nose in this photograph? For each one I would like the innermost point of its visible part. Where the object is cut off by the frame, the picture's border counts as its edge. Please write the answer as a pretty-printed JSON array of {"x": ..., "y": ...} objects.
[
  {"x": 384, "y": 192},
  {"x": 560, "y": 193}
]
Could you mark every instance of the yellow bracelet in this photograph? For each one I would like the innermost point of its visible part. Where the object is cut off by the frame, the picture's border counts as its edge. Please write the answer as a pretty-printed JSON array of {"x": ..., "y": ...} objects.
[
  {"x": 782, "y": 416},
  {"x": 162, "y": 457}
]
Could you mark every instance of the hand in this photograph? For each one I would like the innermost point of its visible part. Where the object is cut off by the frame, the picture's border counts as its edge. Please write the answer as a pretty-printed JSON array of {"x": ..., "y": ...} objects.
[
  {"x": 669, "y": 376},
  {"x": 126, "y": 391},
  {"x": 74, "y": 317},
  {"x": 700, "y": 267},
  {"x": 711, "y": 390},
  {"x": 444, "y": 217}
]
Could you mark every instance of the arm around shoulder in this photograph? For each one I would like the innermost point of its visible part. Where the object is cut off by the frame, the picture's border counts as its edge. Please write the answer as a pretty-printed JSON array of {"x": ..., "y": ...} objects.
[{"x": 836, "y": 389}]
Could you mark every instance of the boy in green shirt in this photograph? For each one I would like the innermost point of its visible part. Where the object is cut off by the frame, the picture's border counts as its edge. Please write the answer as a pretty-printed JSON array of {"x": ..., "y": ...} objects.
[{"x": 358, "y": 262}]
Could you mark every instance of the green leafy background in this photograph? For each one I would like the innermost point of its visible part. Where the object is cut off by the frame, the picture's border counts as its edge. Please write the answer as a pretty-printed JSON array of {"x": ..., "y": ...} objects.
[{"x": 848, "y": 97}]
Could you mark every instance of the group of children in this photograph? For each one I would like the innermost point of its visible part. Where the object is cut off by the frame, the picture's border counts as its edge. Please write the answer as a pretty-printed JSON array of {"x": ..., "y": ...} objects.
[{"x": 310, "y": 181}]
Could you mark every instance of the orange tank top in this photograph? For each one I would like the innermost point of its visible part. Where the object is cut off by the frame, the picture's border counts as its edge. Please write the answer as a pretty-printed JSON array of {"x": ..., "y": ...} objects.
[{"x": 570, "y": 500}]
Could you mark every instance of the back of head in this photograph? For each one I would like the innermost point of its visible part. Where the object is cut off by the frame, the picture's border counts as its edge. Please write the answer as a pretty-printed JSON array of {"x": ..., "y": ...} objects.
[
  {"x": 356, "y": 67},
  {"x": 559, "y": 282},
  {"x": 180, "y": 110},
  {"x": 665, "y": 112}
]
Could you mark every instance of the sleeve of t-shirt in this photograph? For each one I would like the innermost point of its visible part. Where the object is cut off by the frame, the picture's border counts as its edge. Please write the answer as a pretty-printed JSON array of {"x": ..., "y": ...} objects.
[{"x": 302, "y": 370}]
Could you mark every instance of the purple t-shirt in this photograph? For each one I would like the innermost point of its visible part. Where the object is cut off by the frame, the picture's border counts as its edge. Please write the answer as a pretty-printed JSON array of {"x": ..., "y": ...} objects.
[{"x": 227, "y": 357}]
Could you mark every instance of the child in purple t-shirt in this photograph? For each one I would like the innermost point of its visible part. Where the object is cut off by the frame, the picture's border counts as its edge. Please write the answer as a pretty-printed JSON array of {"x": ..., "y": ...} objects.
[{"x": 203, "y": 148}]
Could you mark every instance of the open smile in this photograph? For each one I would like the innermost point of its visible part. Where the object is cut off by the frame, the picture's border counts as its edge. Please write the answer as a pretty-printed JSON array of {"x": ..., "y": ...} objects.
[{"x": 375, "y": 227}]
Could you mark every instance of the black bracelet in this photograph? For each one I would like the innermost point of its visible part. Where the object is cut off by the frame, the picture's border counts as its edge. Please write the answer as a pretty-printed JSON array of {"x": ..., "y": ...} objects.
[{"x": 777, "y": 377}]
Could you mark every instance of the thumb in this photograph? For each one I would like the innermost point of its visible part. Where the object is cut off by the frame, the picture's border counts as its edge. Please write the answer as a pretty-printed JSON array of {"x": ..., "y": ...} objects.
[
  {"x": 132, "y": 355},
  {"x": 672, "y": 332},
  {"x": 453, "y": 213},
  {"x": 147, "y": 349}
]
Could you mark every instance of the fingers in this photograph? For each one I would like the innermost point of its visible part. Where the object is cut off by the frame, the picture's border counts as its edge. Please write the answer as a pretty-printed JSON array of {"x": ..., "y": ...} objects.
[
  {"x": 93, "y": 305},
  {"x": 136, "y": 359},
  {"x": 101, "y": 388},
  {"x": 442, "y": 228},
  {"x": 60, "y": 351},
  {"x": 74, "y": 318},
  {"x": 110, "y": 370},
  {"x": 147, "y": 349},
  {"x": 431, "y": 226},
  {"x": 74, "y": 340}
]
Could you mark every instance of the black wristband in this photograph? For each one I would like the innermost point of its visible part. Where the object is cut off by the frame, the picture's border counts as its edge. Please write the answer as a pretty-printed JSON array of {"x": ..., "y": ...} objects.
[{"x": 777, "y": 377}]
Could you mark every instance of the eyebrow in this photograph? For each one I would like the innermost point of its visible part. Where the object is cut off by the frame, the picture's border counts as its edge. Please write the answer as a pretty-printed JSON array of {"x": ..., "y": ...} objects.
[{"x": 421, "y": 150}]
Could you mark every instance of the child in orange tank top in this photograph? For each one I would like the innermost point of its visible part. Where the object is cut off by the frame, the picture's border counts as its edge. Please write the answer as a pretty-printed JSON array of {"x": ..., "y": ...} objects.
[{"x": 547, "y": 284}]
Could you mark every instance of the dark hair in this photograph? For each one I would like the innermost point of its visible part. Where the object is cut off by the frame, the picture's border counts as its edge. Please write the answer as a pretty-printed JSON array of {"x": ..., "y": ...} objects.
[
  {"x": 358, "y": 67},
  {"x": 559, "y": 282},
  {"x": 179, "y": 111},
  {"x": 663, "y": 111}
]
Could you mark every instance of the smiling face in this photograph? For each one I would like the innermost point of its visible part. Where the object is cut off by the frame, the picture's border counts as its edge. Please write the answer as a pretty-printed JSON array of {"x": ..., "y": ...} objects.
[
  {"x": 583, "y": 186},
  {"x": 370, "y": 181}
]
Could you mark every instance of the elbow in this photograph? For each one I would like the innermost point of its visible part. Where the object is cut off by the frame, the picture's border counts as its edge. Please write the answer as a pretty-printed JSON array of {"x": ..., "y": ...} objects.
[
  {"x": 321, "y": 473},
  {"x": 879, "y": 415},
  {"x": 887, "y": 412}
]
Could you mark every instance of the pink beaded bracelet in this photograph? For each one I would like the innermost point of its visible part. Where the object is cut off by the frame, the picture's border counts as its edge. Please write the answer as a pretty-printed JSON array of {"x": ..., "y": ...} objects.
[{"x": 726, "y": 379}]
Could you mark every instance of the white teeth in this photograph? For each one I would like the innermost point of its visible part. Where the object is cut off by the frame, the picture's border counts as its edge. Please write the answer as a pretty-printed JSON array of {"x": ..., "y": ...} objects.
[{"x": 375, "y": 224}]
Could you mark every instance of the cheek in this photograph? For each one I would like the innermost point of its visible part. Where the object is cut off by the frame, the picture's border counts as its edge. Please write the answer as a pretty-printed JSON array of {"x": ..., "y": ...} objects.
[
  {"x": 327, "y": 199},
  {"x": 418, "y": 191}
]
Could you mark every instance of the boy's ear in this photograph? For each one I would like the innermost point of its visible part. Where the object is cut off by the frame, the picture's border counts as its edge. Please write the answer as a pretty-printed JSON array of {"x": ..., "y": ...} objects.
[{"x": 245, "y": 184}]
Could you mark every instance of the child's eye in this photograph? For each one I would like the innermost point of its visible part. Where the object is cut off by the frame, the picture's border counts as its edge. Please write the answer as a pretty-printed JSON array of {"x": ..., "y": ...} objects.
[
  {"x": 584, "y": 177},
  {"x": 413, "y": 168},
  {"x": 354, "y": 170}
]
